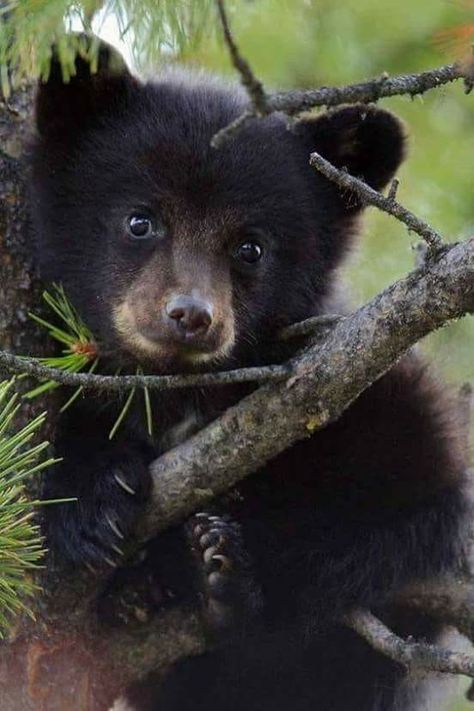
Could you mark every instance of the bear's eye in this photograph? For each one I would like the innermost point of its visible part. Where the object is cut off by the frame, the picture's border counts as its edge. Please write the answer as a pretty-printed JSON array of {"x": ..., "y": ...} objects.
[
  {"x": 250, "y": 252},
  {"x": 140, "y": 226}
]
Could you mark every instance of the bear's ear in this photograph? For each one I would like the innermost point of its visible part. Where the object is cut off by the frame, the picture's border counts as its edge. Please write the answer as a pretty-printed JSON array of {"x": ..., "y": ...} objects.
[
  {"x": 367, "y": 141},
  {"x": 65, "y": 107}
]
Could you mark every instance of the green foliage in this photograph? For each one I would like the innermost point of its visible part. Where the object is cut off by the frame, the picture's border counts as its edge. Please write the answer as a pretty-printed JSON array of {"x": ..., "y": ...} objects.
[
  {"x": 80, "y": 353},
  {"x": 20, "y": 540},
  {"x": 150, "y": 28}
]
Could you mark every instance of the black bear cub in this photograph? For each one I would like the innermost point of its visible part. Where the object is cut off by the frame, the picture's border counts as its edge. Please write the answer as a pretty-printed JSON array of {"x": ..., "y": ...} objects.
[{"x": 182, "y": 257}]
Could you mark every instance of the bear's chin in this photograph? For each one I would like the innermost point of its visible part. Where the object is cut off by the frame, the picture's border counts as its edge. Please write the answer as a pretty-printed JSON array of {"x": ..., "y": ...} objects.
[{"x": 175, "y": 358}]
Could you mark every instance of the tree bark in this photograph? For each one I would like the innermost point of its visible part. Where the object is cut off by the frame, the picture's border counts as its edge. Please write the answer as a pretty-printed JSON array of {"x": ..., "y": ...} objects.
[
  {"x": 20, "y": 287},
  {"x": 64, "y": 660}
]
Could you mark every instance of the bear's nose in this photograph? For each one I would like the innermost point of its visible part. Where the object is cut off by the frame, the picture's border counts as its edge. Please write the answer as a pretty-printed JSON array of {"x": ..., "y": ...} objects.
[{"x": 192, "y": 316}]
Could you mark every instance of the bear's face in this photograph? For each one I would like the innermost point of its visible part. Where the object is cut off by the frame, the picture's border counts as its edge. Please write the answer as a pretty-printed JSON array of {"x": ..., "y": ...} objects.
[{"x": 176, "y": 254}]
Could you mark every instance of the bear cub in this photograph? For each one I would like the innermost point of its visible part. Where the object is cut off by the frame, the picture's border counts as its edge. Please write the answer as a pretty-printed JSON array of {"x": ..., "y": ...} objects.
[{"x": 183, "y": 258}]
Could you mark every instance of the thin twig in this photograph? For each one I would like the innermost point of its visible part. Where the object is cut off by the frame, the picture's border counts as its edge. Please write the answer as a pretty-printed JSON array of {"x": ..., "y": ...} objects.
[
  {"x": 373, "y": 197},
  {"x": 232, "y": 128},
  {"x": 309, "y": 326},
  {"x": 414, "y": 655},
  {"x": 294, "y": 102},
  {"x": 254, "y": 87},
  {"x": 392, "y": 193},
  {"x": 119, "y": 383}
]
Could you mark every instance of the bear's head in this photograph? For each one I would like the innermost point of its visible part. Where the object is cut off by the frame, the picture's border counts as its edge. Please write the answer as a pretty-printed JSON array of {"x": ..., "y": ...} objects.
[{"x": 176, "y": 254}]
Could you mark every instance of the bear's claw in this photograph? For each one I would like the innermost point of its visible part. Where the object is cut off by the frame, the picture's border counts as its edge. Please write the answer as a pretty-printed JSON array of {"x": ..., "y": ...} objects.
[{"x": 228, "y": 589}]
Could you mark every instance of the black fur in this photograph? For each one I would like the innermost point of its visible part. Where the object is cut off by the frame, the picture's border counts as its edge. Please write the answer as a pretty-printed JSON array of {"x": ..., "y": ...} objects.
[{"x": 345, "y": 518}]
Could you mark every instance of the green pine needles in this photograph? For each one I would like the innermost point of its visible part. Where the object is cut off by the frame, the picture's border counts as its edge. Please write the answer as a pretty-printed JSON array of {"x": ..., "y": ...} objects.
[
  {"x": 149, "y": 28},
  {"x": 80, "y": 353},
  {"x": 20, "y": 540}
]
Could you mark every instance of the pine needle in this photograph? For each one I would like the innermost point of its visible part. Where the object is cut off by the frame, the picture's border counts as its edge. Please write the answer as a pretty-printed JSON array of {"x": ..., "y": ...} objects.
[
  {"x": 21, "y": 546},
  {"x": 123, "y": 413},
  {"x": 148, "y": 410},
  {"x": 80, "y": 351},
  {"x": 152, "y": 29}
]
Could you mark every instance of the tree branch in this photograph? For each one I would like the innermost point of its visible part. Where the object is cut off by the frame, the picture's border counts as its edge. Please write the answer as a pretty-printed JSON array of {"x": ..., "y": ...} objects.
[
  {"x": 119, "y": 383},
  {"x": 413, "y": 655},
  {"x": 295, "y": 102},
  {"x": 327, "y": 377},
  {"x": 309, "y": 327},
  {"x": 372, "y": 197},
  {"x": 254, "y": 87}
]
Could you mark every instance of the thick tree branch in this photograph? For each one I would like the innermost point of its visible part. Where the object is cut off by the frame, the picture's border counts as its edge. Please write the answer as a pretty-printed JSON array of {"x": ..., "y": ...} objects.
[{"x": 327, "y": 377}]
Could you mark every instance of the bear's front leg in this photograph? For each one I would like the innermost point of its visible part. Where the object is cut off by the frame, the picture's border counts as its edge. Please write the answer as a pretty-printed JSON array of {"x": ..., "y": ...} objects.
[{"x": 110, "y": 485}]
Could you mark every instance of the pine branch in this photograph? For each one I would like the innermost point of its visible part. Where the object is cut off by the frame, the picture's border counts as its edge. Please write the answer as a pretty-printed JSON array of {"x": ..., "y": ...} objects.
[
  {"x": 120, "y": 383},
  {"x": 149, "y": 27},
  {"x": 21, "y": 547}
]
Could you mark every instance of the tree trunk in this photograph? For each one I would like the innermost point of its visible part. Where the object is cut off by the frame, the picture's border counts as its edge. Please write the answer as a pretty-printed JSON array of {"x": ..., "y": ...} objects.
[{"x": 65, "y": 660}]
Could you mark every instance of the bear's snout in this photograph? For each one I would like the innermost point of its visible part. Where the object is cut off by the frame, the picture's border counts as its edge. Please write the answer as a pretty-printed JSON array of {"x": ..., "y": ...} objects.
[
  {"x": 189, "y": 317},
  {"x": 175, "y": 326}
]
